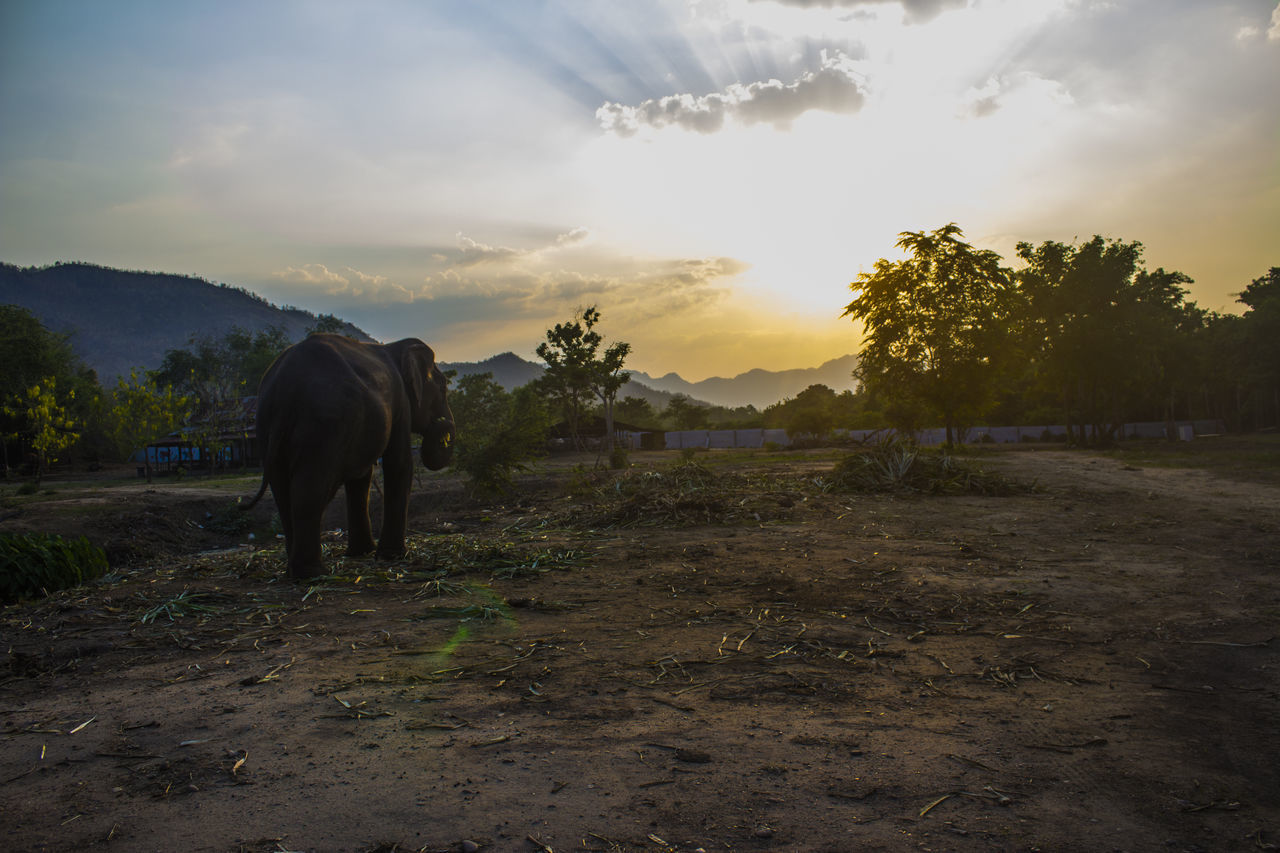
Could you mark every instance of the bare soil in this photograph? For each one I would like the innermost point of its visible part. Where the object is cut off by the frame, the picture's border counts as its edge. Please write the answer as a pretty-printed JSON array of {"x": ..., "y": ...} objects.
[{"x": 1088, "y": 666}]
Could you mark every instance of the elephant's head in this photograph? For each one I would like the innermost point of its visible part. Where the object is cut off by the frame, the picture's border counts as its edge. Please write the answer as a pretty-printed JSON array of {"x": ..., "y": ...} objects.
[{"x": 428, "y": 401}]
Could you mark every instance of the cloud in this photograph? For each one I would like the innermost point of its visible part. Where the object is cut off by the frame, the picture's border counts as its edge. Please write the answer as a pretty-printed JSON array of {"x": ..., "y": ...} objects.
[
  {"x": 472, "y": 253},
  {"x": 1273, "y": 32},
  {"x": 914, "y": 11},
  {"x": 633, "y": 290},
  {"x": 377, "y": 288},
  {"x": 1026, "y": 89},
  {"x": 832, "y": 88}
]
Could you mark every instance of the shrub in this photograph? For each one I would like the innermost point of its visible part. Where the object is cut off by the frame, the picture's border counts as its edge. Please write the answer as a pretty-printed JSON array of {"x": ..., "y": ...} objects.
[
  {"x": 34, "y": 564},
  {"x": 897, "y": 465}
]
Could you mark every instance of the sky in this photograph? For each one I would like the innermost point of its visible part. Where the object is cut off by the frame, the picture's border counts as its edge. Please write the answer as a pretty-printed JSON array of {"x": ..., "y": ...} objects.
[{"x": 711, "y": 174}]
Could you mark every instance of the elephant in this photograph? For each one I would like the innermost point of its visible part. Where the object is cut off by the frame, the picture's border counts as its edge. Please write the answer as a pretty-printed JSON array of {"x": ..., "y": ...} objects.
[{"x": 328, "y": 408}]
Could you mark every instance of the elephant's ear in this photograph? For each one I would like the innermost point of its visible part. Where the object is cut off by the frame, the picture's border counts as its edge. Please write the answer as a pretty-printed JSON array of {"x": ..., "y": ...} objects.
[{"x": 417, "y": 365}]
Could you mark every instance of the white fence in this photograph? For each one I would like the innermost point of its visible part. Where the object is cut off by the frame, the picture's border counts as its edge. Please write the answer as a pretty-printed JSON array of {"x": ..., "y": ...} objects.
[{"x": 729, "y": 438}]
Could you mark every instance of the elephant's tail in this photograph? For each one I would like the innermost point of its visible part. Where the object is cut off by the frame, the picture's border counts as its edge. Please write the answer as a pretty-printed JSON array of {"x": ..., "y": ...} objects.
[{"x": 262, "y": 490}]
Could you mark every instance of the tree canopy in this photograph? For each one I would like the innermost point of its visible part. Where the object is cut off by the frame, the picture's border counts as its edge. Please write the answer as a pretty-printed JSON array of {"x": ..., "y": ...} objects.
[
  {"x": 1082, "y": 334},
  {"x": 577, "y": 370},
  {"x": 934, "y": 328}
]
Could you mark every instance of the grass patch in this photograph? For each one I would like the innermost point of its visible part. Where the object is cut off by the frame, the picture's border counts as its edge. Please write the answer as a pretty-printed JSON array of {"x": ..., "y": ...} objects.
[{"x": 1253, "y": 458}]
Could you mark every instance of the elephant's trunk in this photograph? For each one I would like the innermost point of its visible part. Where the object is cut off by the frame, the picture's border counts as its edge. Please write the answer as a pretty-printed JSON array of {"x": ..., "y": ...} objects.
[{"x": 437, "y": 444}]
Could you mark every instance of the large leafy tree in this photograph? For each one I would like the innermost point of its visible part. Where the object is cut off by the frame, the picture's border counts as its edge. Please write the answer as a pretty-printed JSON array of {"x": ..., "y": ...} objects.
[
  {"x": 578, "y": 371},
  {"x": 1261, "y": 345},
  {"x": 1104, "y": 331},
  {"x": 936, "y": 333}
]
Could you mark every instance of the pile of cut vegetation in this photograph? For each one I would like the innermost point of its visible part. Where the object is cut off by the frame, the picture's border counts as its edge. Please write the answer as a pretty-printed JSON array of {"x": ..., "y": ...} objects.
[
  {"x": 682, "y": 495},
  {"x": 894, "y": 465},
  {"x": 35, "y": 564}
]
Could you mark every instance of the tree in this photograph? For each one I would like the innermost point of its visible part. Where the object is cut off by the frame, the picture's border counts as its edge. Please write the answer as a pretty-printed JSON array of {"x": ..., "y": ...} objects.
[
  {"x": 577, "y": 371},
  {"x": 936, "y": 328},
  {"x": 812, "y": 412},
  {"x": 328, "y": 324},
  {"x": 141, "y": 411},
  {"x": 50, "y": 427},
  {"x": 500, "y": 433},
  {"x": 1261, "y": 344},
  {"x": 215, "y": 374},
  {"x": 636, "y": 411},
  {"x": 682, "y": 412},
  {"x": 1101, "y": 329},
  {"x": 35, "y": 357}
]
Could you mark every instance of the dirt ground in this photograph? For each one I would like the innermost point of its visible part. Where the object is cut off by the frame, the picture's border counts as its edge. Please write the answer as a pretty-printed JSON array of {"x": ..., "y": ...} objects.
[{"x": 1089, "y": 666}]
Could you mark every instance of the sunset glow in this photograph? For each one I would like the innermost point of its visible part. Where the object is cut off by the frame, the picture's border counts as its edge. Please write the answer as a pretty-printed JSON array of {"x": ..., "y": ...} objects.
[{"x": 712, "y": 174}]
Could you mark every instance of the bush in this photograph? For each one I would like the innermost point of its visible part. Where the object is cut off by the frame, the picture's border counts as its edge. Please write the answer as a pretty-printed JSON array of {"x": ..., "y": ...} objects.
[
  {"x": 896, "y": 465},
  {"x": 36, "y": 564}
]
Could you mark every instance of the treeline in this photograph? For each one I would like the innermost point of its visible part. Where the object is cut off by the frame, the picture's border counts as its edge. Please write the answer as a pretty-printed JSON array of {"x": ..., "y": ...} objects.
[
  {"x": 1082, "y": 335},
  {"x": 52, "y": 406}
]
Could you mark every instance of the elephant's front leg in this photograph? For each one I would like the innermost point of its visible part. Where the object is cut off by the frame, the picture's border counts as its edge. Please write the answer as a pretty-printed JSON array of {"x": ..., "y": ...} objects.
[
  {"x": 359, "y": 528},
  {"x": 397, "y": 480}
]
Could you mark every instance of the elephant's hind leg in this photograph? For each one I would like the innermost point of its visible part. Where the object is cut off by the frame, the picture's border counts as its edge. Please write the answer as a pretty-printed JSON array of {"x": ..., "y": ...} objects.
[
  {"x": 307, "y": 499},
  {"x": 359, "y": 528}
]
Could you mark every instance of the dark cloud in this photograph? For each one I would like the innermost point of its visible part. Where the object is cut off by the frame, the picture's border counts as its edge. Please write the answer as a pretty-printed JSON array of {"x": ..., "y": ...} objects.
[{"x": 832, "y": 88}]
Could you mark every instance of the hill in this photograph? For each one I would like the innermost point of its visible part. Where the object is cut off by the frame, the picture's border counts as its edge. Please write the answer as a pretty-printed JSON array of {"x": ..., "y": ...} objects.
[
  {"x": 511, "y": 371},
  {"x": 120, "y": 320},
  {"x": 759, "y": 388}
]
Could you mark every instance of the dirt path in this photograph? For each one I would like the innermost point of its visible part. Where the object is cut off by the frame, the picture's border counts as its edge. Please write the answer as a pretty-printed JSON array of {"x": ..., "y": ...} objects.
[{"x": 1088, "y": 667}]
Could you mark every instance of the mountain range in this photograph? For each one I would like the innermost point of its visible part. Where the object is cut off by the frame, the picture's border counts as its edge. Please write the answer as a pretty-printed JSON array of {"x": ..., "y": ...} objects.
[
  {"x": 759, "y": 388},
  {"x": 120, "y": 320}
]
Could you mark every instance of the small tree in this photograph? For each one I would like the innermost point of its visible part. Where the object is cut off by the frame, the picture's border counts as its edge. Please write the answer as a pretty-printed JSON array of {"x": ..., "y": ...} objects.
[
  {"x": 576, "y": 371},
  {"x": 636, "y": 411},
  {"x": 683, "y": 413},
  {"x": 499, "y": 433},
  {"x": 49, "y": 426},
  {"x": 812, "y": 412},
  {"x": 142, "y": 411}
]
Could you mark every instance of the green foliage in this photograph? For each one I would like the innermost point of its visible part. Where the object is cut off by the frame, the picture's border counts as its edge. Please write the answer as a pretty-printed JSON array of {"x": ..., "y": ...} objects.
[
  {"x": 212, "y": 371},
  {"x": 35, "y": 564},
  {"x": 683, "y": 413},
  {"x": 141, "y": 411},
  {"x": 31, "y": 353},
  {"x": 935, "y": 328},
  {"x": 637, "y": 411},
  {"x": 215, "y": 373},
  {"x": 498, "y": 433},
  {"x": 328, "y": 324},
  {"x": 49, "y": 426},
  {"x": 894, "y": 465},
  {"x": 1104, "y": 332},
  {"x": 577, "y": 371},
  {"x": 34, "y": 357},
  {"x": 816, "y": 411}
]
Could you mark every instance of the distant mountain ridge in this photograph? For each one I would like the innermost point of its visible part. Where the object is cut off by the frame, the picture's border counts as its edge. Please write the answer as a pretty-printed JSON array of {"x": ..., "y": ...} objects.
[
  {"x": 120, "y": 320},
  {"x": 758, "y": 387}
]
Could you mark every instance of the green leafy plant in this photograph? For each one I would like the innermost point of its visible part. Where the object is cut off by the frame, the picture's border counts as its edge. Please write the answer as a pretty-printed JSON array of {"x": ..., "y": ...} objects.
[
  {"x": 36, "y": 564},
  {"x": 897, "y": 465}
]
